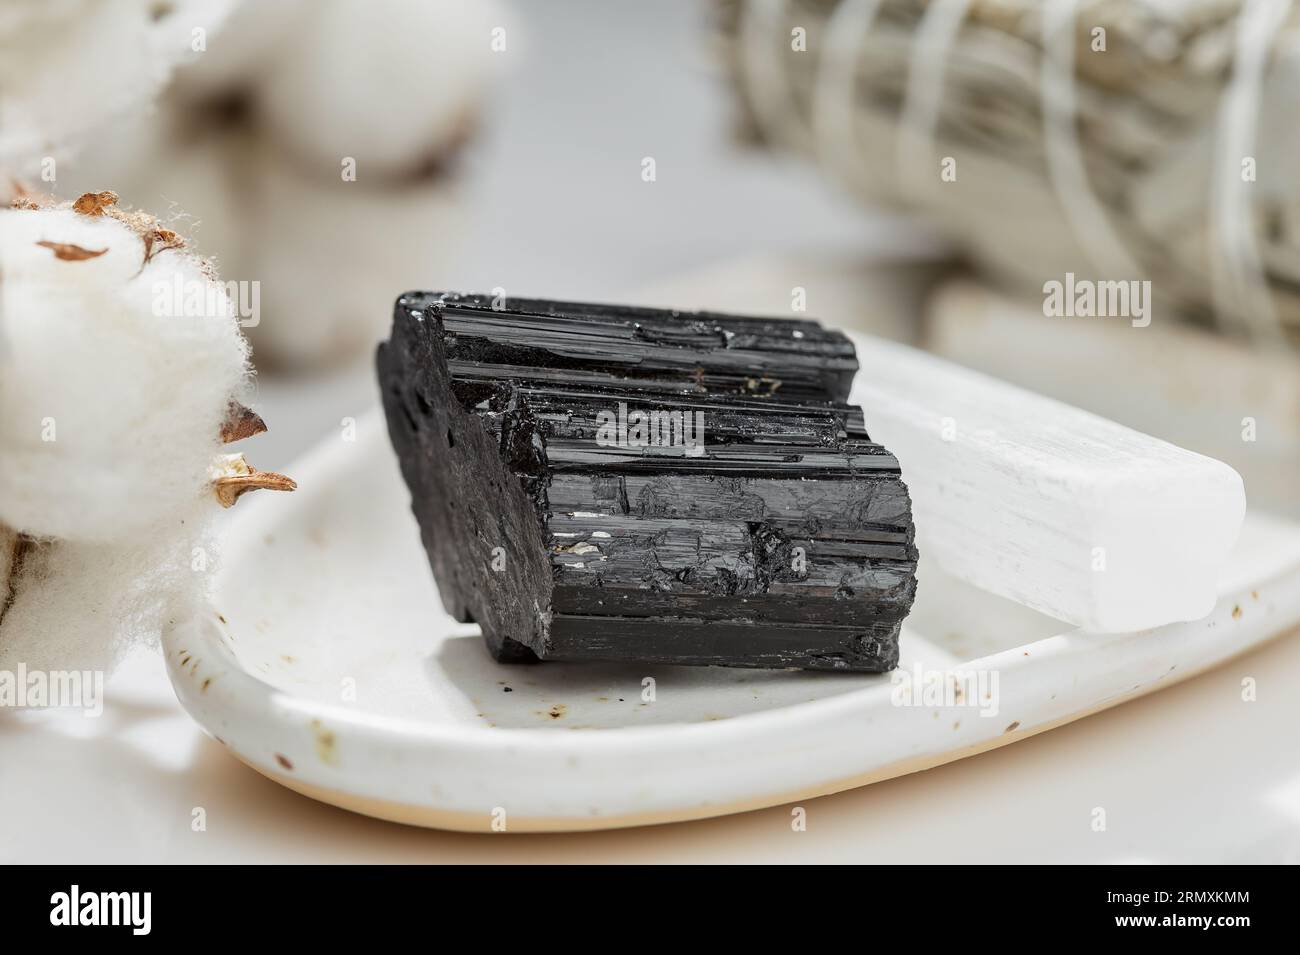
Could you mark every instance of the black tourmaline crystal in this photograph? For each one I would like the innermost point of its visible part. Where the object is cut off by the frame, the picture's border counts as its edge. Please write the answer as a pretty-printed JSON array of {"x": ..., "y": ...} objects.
[{"x": 596, "y": 482}]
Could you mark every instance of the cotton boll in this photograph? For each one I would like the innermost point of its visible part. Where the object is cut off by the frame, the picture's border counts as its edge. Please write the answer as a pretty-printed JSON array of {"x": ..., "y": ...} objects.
[
  {"x": 81, "y": 605},
  {"x": 71, "y": 67},
  {"x": 126, "y": 348},
  {"x": 250, "y": 41},
  {"x": 330, "y": 253},
  {"x": 390, "y": 82},
  {"x": 116, "y": 374}
]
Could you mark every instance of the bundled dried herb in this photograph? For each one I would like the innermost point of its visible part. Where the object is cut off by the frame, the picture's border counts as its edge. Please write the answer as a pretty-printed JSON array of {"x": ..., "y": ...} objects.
[{"x": 1113, "y": 139}]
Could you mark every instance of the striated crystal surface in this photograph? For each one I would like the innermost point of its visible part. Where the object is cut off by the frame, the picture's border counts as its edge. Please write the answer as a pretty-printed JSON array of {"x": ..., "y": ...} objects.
[{"x": 607, "y": 483}]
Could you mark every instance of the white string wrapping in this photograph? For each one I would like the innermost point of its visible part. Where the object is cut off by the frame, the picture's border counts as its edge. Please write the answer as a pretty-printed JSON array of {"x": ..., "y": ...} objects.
[
  {"x": 1237, "y": 277},
  {"x": 1065, "y": 164},
  {"x": 919, "y": 119},
  {"x": 834, "y": 101}
]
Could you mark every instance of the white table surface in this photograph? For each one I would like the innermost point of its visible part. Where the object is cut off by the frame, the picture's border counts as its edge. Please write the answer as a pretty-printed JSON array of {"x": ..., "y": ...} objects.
[{"x": 1192, "y": 773}]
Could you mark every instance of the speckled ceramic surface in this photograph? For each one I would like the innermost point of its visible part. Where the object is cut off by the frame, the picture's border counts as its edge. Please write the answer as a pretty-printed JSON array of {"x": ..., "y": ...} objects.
[{"x": 328, "y": 664}]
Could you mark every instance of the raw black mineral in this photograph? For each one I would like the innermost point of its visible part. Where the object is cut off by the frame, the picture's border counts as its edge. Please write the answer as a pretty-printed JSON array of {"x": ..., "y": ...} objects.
[{"x": 597, "y": 482}]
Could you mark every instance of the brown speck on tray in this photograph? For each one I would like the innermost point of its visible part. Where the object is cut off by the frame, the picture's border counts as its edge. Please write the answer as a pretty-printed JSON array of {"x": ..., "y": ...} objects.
[
  {"x": 1013, "y": 727},
  {"x": 1236, "y": 612},
  {"x": 956, "y": 724},
  {"x": 507, "y": 689},
  {"x": 221, "y": 618},
  {"x": 325, "y": 743},
  {"x": 1254, "y": 595},
  {"x": 556, "y": 711},
  {"x": 206, "y": 683},
  {"x": 284, "y": 761}
]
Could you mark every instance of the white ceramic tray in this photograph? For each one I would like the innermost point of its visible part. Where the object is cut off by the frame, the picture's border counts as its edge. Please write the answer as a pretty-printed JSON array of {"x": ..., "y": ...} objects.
[{"x": 328, "y": 664}]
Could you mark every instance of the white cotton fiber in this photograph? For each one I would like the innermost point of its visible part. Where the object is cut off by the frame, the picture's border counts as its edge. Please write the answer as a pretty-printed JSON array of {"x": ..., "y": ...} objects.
[
  {"x": 82, "y": 605},
  {"x": 388, "y": 82},
  {"x": 69, "y": 68},
  {"x": 110, "y": 403}
]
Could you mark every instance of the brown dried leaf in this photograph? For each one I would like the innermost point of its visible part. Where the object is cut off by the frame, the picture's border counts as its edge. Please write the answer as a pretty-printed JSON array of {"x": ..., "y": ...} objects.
[
  {"x": 168, "y": 238},
  {"x": 21, "y": 196},
  {"x": 240, "y": 423},
  {"x": 68, "y": 252},
  {"x": 95, "y": 203},
  {"x": 233, "y": 477}
]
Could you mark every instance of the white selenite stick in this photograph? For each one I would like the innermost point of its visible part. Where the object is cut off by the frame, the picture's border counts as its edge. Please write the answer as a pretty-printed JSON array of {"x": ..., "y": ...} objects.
[{"x": 1054, "y": 507}]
